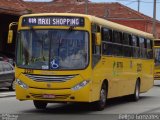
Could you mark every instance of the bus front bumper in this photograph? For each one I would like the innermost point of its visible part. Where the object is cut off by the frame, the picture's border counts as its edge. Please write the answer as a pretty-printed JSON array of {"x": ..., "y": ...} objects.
[{"x": 51, "y": 95}]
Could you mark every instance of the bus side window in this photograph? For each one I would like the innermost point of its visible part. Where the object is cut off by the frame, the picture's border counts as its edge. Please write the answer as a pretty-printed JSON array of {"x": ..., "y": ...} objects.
[
  {"x": 127, "y": 45},
  {"x": 125, "y": 39},
  {"x": 106, "y": 35},
  {"x": 117, "y": 46},
  {"x": 106, "y": 41},
  {"x": 142, "y": 47},
  {"x": 117, "y": 37},
  {"x": 135, "y": 46}
]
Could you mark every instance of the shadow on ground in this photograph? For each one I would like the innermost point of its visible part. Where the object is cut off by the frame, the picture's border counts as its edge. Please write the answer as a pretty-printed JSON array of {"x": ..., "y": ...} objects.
[
  {"x": 4, "y": 90},
  {"x": 81, "y": 108}
]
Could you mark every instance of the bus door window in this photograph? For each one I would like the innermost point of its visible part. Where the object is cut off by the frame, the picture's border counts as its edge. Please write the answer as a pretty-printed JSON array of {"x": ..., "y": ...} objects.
[{"x": 96, "y": 50}]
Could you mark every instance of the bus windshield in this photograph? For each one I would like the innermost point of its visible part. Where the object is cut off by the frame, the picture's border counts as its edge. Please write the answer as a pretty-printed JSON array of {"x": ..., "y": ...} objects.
[
  {"x": 157, "y": 57},
  {"x": 52, "y": 49}
]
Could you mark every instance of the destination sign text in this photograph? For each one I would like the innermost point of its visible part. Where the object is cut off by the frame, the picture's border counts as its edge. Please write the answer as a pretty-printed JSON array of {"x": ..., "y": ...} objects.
[{"x": 53, "y": 21}]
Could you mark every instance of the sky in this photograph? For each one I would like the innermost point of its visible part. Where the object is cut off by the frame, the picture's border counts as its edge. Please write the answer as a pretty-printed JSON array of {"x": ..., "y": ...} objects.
[{"x": 146, "y": 6}]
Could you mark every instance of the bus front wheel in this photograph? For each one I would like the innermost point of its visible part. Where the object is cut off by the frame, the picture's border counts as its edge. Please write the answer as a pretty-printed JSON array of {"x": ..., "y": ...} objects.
[
  {"x": 100, "y": 105},
  {"x": 40, "y": 104}
]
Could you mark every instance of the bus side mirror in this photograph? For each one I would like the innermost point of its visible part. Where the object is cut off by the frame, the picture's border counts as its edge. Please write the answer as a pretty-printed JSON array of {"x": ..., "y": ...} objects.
[
  {"x": 10, "y": 36},
  {"x": 98, "y": 39},
  {"x": 10, "y": 32}
]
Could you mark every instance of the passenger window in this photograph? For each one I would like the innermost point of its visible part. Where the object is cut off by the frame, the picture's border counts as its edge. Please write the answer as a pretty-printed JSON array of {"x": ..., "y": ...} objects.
[
  {"x": 117, "y": 49},
  {"x": 106, "y": 35},
  {"x": 134, "y": 40},
  {"x": 149, "y": 44},
  {"x": 106, "y": 41},
  {"x": 138, "y": 44},
  {"x": 117, "y": 37},
  {"x": 135, "y": 44},
  {"x": 107, "y": 48},
  {"x": 143, "y": 50},
  {"x": 127, "y": 48},
  {"x": 141, "y": 42},
  {"x": 126, "y": 39}
]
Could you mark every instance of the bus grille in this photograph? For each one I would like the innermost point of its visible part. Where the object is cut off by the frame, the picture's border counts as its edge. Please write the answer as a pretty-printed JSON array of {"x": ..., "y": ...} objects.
[{"x": 54, "y": 78}]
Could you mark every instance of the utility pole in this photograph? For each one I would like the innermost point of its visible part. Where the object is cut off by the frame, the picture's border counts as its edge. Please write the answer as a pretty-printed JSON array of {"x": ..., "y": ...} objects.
[
  {"x": 154, "y": 19},
  {"x": 86, "y": 6},
  {"x": 138, "y": 5}
]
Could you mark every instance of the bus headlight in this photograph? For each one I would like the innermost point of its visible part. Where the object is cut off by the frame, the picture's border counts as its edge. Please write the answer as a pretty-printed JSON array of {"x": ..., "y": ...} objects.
[
  {"x": 21, "y": 84},
  {"x": 80, "y": 85}
]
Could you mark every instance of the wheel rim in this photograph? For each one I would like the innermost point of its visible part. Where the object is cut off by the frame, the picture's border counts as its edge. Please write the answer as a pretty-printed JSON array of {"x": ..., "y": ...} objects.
[{"x": 137, "y": 91}]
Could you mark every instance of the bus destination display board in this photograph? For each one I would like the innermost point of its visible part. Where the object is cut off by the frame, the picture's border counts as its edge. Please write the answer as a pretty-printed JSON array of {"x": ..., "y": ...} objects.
[{"x": 52, "y": 21}]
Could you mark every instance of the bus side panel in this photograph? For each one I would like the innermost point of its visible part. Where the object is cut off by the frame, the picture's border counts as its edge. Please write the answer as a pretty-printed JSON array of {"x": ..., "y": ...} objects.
[
  {"x": 104, "y": 71},
  {"x": 128, "y": 76},
  {"x": 147, "y": 77}
]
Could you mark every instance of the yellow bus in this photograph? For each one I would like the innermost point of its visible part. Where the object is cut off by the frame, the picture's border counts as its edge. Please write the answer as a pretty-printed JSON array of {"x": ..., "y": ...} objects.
[
  {"x": 63, "y": 57},
  {"x": 157, "y": 59}
]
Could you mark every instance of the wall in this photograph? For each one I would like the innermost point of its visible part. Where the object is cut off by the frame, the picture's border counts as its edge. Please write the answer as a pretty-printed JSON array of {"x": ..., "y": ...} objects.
[
  {"x": 149, "y": 28},
  {"x": 5, "y": 20}
]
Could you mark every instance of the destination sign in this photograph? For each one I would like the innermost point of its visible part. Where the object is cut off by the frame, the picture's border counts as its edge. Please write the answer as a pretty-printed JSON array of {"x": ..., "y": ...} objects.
[{"x": 53, "y": 21}]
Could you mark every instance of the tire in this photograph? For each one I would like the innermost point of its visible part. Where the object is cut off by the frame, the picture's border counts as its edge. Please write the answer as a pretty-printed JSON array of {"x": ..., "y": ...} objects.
[
  {"x": 100, "y": 105},
  {"x": 40, "y": 104},
  {"x": 135, "y": 96},
  {"x": 12, "y": 87}
]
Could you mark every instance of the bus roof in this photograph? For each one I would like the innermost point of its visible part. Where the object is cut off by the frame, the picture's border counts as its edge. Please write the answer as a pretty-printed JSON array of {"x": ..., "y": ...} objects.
[{"x": 99, "y": 21}]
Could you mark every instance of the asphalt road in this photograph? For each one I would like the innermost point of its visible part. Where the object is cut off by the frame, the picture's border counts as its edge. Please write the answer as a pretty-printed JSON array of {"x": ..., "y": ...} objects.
[{"x": 116, "y": 108}]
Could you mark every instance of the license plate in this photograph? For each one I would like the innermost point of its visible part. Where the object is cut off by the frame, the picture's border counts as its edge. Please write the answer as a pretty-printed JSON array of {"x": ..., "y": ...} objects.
[{"x": 48, "y": 96}]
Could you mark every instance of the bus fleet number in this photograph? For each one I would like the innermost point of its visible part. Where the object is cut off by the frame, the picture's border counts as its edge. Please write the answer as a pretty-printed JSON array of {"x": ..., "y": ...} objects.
[{"x": 28, "y": 71}]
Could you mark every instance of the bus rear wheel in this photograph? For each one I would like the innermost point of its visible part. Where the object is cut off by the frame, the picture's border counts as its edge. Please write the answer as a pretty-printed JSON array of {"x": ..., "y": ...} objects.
[
  {"x": 40, "y": 104},
  {"x": 100, "y": 105},
  {"x": 135, "y": 96}
]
